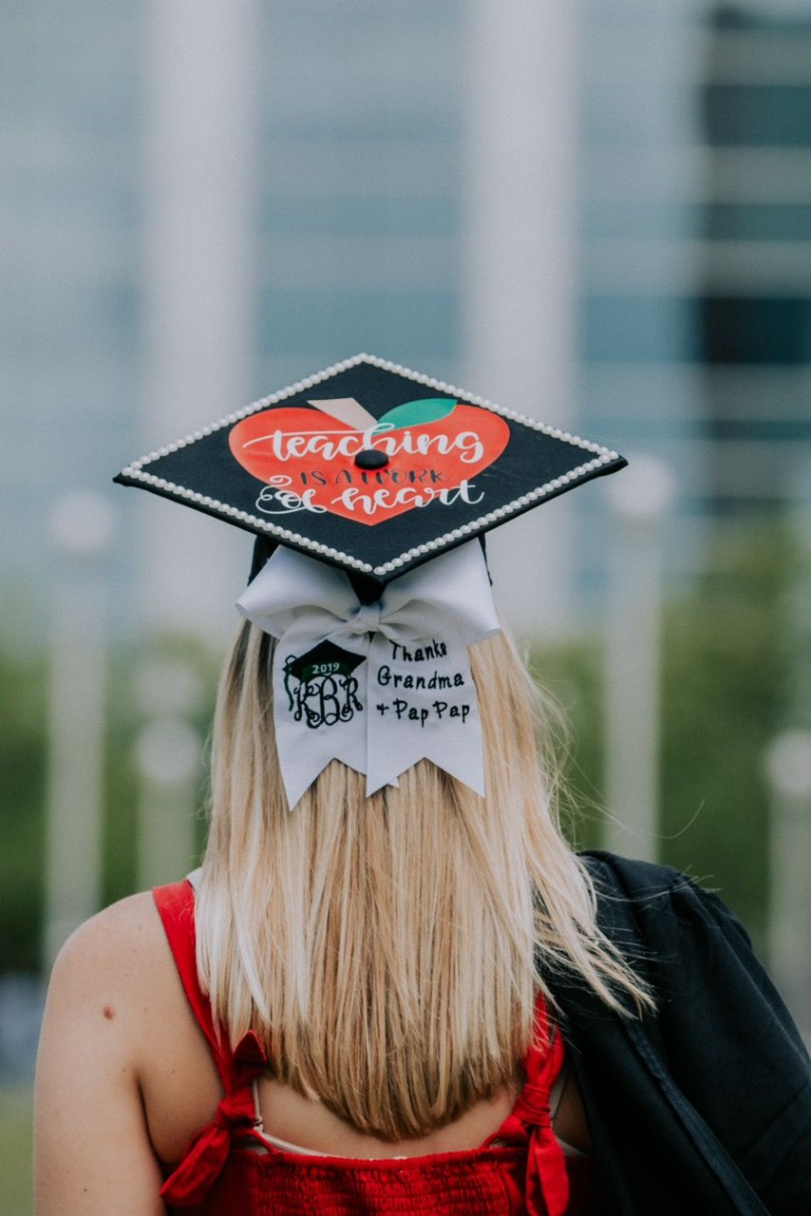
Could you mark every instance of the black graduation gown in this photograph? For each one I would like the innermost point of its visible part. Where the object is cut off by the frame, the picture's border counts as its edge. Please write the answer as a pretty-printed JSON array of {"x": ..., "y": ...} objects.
[{"x": 706, "y": 1107}]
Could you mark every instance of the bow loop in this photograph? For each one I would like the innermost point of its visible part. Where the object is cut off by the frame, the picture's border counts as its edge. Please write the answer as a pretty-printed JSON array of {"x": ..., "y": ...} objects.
[{"x": 250, "y": 1054}]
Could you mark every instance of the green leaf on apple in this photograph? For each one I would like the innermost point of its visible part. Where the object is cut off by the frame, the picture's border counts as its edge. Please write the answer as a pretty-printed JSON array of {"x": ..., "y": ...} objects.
[{"x": 416, "y": 413}]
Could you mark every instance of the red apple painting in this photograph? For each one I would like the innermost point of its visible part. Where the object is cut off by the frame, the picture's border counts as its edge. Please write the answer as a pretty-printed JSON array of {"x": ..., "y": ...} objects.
[{"x": 368, "y": 469}]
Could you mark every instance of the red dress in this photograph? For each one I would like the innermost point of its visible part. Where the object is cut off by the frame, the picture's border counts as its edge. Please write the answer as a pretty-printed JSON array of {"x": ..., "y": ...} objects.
[{"x": 229, "y": 1169}]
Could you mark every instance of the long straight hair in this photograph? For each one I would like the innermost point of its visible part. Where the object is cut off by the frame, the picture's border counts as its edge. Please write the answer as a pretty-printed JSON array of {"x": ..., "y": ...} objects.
[{"x": 388, "y": 951}]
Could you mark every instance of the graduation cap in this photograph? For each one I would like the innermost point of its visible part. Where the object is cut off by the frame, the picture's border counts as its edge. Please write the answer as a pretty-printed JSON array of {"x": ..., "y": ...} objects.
[
  {"x": 324, "y": 659},
  {"x": 370, "y": 467}
]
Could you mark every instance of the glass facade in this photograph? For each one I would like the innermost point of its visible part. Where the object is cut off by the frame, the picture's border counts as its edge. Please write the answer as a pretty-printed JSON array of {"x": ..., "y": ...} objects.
[
  {"x": 694, "y": 255},
  {"x": 697, "y": 264}
]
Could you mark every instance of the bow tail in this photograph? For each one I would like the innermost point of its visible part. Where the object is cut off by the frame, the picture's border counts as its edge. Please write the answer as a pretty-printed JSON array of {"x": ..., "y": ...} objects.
[
  {"x": 200, "y": 1167},
  {"x": 421, "y": 709},
  {"x": 547, "y": 1191}
]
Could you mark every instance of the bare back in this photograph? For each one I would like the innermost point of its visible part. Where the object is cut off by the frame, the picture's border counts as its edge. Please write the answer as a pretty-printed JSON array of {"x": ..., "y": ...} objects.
[{"x": 124, "y": 1064}]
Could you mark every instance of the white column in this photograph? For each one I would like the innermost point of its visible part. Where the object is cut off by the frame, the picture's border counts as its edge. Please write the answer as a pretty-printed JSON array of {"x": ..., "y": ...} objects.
[
  {"x": 638, "y": 497},
  {"x": 168, "y": 754},
  {"x": 799, "y": 595},
  {"x": 82, "y": 528},
  {"x": 200, "y": 158},
  {"x": 520, "y": 263}
]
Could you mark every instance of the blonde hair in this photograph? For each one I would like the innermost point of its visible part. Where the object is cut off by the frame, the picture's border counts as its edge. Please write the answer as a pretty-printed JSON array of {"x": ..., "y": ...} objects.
[{"x": 388, "y": 950}]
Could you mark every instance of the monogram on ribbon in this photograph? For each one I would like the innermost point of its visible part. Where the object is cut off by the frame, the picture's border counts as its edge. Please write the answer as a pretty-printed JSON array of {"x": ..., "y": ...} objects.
[{"x": 376, "y": 686}]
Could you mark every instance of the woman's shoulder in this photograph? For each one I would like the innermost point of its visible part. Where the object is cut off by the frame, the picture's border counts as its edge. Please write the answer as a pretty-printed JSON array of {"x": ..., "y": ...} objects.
[
  {"x": 112, "y": 970},
  {"x": 114, "y": 942},
  {"x": 116, "y": 1035}
]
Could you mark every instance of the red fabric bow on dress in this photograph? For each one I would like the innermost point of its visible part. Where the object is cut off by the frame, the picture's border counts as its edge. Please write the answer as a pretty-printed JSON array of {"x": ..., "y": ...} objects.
[{"x": 208, "y": 1151}]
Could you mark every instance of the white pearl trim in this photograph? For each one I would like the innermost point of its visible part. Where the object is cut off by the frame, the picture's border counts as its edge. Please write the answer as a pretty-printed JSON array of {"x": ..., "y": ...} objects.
[
  {"x": 302, "y": 385},
  {"x": 602, "y": 456},
  {"x": 484, "y": 522},
  {"x": 160, "y": 483}
]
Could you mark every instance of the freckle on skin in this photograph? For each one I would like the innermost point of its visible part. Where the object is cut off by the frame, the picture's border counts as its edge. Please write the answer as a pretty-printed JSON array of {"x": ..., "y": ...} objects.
[{"x": 109, "y": 1012}]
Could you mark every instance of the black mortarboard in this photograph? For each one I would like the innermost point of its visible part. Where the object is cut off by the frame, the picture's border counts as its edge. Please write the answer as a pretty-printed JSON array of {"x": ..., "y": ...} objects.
[{"x": 370, "y": 467}]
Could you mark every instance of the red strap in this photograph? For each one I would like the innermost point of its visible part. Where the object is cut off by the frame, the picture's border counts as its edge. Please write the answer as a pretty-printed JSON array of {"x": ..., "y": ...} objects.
[
  {"x": 175, "y": 904},
  {"x": 208, "y": 1151}
]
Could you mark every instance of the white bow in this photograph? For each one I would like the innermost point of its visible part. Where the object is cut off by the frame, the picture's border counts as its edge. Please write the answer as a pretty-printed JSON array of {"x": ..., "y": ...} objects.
[{"x": 377, "y": 686}]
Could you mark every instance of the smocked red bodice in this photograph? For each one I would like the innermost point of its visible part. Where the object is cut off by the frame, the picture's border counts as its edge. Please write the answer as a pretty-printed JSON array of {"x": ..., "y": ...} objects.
[{"x": 519, "y": 1170}]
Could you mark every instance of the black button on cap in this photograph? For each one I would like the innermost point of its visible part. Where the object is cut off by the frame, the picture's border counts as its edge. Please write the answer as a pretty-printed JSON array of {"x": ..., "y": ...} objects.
[{"x": 371, "y": 458}]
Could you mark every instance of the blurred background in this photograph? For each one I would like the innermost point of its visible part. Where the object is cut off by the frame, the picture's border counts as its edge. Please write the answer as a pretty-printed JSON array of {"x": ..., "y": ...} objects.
[{"x": 597, "y": 214}]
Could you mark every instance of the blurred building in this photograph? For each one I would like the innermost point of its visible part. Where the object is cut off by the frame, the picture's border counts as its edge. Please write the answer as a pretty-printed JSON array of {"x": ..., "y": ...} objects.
[
  {"x": 359, "y": 208},
  {"x": 70, "y": 212},
  {"x": 697, "y": 250},
  {"x": 355, "y": 243},
  {"x": 693, "y": 276},
  {"x": 755, "y": 318}
]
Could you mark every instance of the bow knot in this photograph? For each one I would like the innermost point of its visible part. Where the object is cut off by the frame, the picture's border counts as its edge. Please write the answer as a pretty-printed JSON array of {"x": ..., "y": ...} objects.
[
  {"x": 533, "y": 1105},
  {"x": 365, "y": 620},
  {"x": 236, "y": 1110},
  {"x": 208, "y": 1151}
]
